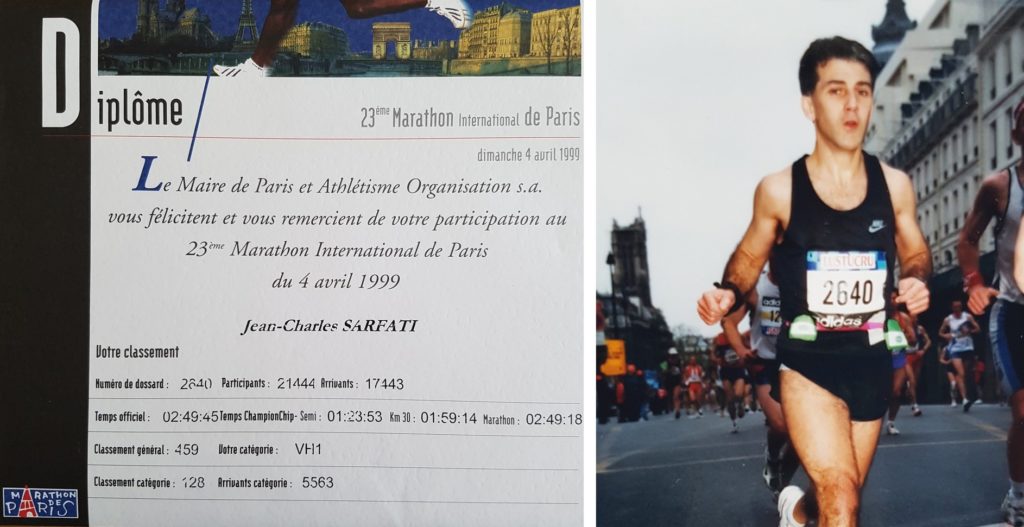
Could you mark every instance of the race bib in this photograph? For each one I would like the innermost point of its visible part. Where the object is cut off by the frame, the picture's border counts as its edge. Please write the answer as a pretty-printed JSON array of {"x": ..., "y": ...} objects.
[
  {"x": 963, "y": 343},
  {"x": 844, "y": 288},
  {"x": 771, "y": 316}
]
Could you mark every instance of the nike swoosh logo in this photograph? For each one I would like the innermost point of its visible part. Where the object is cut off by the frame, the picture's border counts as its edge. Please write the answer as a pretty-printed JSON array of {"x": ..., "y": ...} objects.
[{"x": 875, "y": 228}]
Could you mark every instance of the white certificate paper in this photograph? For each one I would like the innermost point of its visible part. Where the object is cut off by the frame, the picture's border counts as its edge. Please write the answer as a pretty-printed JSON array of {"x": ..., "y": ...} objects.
[{"x": 347, "y": 293}]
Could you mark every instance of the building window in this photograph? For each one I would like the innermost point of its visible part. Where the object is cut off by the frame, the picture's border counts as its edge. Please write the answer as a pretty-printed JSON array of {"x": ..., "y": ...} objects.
[
  {"x": 945, "y": 160},
  {"x": 1009, "y": 64},
  {"x": 963, "y": 144},
  {"x": 1009, "y": 127},
  {"x": 991, "y": 67},
  {"x": 975, "y": 132},
  {"x": 995, "y": 143},
  {"x": 956, "y": 145}
]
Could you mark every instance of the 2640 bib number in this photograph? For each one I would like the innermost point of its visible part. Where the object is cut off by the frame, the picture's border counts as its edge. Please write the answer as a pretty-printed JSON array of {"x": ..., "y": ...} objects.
[
  {"x": 846, "y": 283},
  {"x": 841, "y": 293}
]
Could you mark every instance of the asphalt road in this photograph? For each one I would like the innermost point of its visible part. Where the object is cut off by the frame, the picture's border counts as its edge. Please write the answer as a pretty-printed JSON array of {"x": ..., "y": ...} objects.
[{"x": 946, "y": 469}]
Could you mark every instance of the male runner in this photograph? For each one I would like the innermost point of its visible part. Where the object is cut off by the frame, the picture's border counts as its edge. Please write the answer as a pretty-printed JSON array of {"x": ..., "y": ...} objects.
[
  {"x": 843, "y": 218},
  {"x": 899, "y": 369},
  {"x": 957, "y": 329},
  {"x": 673, "y": 382},
  {"x": 281, "y": 18},
  {"x": 733, "y": 375},
  {"x": 693, "y": 376},
  {"x": 780, "y": 463},
  {"x": 914, "y": 360},
  {"x": 1001, "y": 196}
]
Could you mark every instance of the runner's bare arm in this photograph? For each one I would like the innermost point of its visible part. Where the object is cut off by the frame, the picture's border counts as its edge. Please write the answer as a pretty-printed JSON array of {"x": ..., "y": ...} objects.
[
  {"x": 927, "y": 339},
  {"x": 915, "y": 258},
  {"x": 731, "y": 326},
  {"x": 973, "y": 325},
  {"x": 944, "y": 330},
  {"x": 771, "y": 205},
  {"x": 1018, "y": 260},
  {"x": 771, "y": 200},
  {"x": 987, "y": 205}
]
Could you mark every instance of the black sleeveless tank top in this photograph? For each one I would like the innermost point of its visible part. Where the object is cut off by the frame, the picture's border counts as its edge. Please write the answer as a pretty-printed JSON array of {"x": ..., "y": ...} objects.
[{"x": 837, "y": 266}]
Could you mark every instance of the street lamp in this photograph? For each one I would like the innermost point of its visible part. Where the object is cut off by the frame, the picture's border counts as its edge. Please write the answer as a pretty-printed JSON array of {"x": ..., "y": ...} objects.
[{"x": 610, "y": 260}]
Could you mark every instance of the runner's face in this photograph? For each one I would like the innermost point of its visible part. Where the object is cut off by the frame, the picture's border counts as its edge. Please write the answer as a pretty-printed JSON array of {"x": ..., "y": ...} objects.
[{"x": 841, "y": 103}]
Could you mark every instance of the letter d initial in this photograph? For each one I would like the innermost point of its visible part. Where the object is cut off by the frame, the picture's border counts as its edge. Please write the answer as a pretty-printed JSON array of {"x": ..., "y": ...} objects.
[{"x": 51, "y": 117}]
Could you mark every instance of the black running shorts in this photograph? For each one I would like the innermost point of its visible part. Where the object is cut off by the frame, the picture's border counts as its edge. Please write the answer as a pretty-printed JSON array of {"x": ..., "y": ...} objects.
[
  {"x": 732, "y": 374},
  {"x": 863, "y": 381},
  {"x": 764, "y": 371}
]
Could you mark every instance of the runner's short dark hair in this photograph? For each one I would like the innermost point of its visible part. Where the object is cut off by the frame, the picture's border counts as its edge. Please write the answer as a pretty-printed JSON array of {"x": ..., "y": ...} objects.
[{"x": 825, "y": 49}]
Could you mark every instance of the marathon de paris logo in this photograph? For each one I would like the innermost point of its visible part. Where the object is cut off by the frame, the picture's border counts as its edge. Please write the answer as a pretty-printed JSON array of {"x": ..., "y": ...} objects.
[{"x": 40, "y": 503}]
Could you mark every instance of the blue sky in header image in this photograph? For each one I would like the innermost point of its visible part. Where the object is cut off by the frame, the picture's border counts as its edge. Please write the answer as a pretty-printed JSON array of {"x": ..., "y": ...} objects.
[{"x": 117, "y": 17}]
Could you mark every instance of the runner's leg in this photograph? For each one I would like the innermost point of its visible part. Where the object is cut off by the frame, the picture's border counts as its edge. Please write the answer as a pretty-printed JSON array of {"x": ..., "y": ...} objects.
[
  {"x": 822, "y": 433},
  {"x": 958, "y": 365},
  {"x": 280, "y": 19}
]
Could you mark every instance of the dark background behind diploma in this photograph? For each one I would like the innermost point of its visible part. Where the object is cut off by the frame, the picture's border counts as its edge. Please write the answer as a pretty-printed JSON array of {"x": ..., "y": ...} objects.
[{"x": 44, "y": 264}]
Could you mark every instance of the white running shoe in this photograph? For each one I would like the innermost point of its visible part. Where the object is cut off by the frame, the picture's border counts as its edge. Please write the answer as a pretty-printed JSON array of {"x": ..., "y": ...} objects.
[
  {"x": 891, "y": 429},
  {"x": 977, "y": 402},
  {"x": 788, "y": 499},
  {"x": 1013, "y": 510},
  {"x": 772, "y": 473},
  {"x": 952, "y": 404},
  {"x": 245, "y": 69},
  {"x": 457, "y": 12},
  {"x": 916, "y": 410}
]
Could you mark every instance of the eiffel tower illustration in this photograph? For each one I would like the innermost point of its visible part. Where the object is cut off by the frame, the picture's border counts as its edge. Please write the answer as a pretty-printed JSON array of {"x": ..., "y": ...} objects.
[
  {"x": 246, "y": 26},
  {"x": 28, "y": 507}
]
